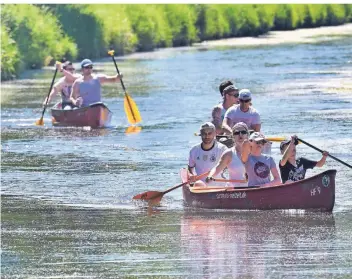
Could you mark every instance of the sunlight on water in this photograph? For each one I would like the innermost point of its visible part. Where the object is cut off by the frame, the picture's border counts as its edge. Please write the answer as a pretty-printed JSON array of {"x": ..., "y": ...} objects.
[{"x": 67, "y": 209}]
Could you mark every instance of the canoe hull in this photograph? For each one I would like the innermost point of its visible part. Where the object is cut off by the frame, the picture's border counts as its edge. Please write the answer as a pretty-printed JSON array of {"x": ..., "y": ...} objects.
[
  {"x": 314, "y": 193},
  {"x": 96, "y": 115}
]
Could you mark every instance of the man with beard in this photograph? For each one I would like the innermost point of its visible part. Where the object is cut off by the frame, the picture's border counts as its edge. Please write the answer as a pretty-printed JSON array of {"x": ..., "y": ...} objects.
[{"x": 205, "y": 155}]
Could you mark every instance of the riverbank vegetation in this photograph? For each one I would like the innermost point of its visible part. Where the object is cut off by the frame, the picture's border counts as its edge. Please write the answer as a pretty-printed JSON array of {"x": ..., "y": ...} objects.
[{"x": 33, "y": 36}]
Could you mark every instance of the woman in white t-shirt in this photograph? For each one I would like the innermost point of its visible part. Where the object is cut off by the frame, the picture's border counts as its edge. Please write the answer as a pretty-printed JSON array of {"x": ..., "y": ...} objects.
[{"x": 232, "y": 158}]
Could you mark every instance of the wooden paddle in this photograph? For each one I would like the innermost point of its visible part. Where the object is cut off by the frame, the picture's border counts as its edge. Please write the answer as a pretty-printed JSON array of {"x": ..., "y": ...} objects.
[
  {"x": 40, "y": 122},
  {"x": 156, "y": 196},
  {"x": 131, "y": 109},
  {"x": 321, "y": 151}
]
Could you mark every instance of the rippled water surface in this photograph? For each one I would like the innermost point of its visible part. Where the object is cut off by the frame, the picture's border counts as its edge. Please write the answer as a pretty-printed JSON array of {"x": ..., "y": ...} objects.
[{"x": 66, "y": 192}]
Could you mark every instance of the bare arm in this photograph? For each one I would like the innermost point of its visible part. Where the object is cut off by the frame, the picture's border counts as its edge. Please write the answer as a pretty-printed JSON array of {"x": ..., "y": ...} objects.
[
  {"x": 225, "y": 159},
  {"x": 288, "y": 152},
  {"x": 256, "y": 127},
  {"x": 75, "y": 93},
  {"x": 216, "y": 119},
  {"x": 104, "y": 78},
  {"x": 226, "y": 125},
  {"x": 246, "y": 150},
  {"x": 322, "y": 161},
  {"x": 56, "y": 89},
  {"x": 276, "y": 176}
]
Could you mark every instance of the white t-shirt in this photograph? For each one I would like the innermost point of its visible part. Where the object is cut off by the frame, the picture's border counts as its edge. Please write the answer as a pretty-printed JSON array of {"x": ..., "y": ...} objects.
[
  {"x": 235, "y": 114},
  {"x": 204, "y": 160}
]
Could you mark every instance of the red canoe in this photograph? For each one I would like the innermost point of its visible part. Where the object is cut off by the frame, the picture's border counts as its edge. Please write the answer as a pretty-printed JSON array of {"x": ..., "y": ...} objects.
[
  {"x": 96, "y": 115},
  {"x": 314, "y": 193}
]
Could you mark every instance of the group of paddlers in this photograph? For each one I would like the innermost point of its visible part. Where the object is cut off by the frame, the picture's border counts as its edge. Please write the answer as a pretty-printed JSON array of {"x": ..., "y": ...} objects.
[{"x": 245, "y": 161}]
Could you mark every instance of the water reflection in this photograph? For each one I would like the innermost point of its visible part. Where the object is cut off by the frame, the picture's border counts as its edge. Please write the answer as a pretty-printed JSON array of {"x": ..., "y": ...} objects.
[{"x": 255, "y": 244}]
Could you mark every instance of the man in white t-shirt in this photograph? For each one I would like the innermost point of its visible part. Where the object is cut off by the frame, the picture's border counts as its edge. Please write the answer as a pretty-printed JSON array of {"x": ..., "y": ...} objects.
[
  {"x": 243, "y": 112},
  {"x": 205, "y": 155}
]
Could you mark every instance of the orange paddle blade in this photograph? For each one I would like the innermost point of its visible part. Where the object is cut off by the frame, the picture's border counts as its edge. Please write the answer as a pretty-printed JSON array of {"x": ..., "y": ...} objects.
[
  {"x": 39, "y": 122},
  {"x": 150, "y": 195},
  {"x": 131, "y": 109}
]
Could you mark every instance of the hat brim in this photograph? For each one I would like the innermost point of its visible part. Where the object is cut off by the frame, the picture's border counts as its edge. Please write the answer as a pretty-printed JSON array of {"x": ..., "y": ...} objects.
[{"x": 88, "y": 64}]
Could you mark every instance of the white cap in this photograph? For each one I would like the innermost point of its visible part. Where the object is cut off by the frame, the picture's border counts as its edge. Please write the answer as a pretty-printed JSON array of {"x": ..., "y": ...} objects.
[{"x": 245, "y": 94}]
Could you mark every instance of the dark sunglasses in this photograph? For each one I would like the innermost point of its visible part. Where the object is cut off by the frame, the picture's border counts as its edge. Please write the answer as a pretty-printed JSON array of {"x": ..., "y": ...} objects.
[
  {"x": 235, "y": 95},
  {"x": 70, "y": 69},
  {"x": 88, "y": 67},
  {"x": 261, "y": 142},
  {"x": 240, "y": 132},
  {"x": 245, "y": 101}
]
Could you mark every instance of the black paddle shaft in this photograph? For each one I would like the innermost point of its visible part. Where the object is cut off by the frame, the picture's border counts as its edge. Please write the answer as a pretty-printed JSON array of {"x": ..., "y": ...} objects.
[
  {"x": 312, "y": 146},
  {"x": 51, "y": 87},
  {"x": 117, "y": 69}
]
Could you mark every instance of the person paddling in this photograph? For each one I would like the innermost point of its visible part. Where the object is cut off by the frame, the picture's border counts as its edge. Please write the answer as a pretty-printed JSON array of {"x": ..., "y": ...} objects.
[
  {"x": 293, "y": 169},
  {"x": 243, "y": 112},
  {"x": 64, "y": 85},
  {"x": 205, "y": 155},
  {"x": 87, "y": 89},
  {"x": 231, "y": 158},
  {"x": 230, "y": 97},
  {"x": 258, "y": 166}
]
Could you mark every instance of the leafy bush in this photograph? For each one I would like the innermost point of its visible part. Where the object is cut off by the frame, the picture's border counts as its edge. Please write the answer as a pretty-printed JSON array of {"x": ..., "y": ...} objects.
[
  {"x": 10, "y": 60},
  {"x": 37, "y": 34}
]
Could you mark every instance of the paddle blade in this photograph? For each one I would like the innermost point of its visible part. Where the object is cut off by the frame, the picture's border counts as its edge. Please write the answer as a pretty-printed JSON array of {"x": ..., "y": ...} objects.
[
  {"x": 276, "y": 139},
  {"x": 150, "y": 195},
  {"x": 39, "y": 122},
  {"x": 131, "y": 110}
]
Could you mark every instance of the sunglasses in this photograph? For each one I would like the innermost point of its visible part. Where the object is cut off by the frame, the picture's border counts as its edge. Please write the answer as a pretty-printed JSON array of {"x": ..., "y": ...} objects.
[
  {"x": 245, "y": 101},
  {"x": 235, "y": 95},
  {"x": 88, "y": 67},
  {"x": 259, "y": 142},
  {"x": 240, "y": 132},
  {"x": 70, "y": 69}
]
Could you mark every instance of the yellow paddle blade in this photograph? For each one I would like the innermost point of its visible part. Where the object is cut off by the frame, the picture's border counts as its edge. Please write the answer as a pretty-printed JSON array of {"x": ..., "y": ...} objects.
[
  {"x": 277, "y": 139},
  {"x": 131, "y": 110},
  {"x": 111, "y": 52},
  {"x": 39, "y": 122}
]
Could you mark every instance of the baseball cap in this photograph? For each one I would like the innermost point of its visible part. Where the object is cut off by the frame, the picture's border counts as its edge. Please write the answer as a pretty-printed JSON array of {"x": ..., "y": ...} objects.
[
  {"x": 86, "y": 62},
  {"x": 207, "y": 125},
  {"x": 256, "y": 136},
  {"x": 245, "y": 94}
]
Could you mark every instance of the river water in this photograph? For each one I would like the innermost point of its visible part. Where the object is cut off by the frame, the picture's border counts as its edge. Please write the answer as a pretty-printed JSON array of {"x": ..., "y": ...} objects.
[{"x": 66, "y": 193}]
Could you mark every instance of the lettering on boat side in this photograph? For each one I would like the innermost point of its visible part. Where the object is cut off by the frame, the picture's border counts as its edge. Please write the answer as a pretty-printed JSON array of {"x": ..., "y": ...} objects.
[
  {"x": 240, "y": 195},
  {"x": 315, "y": 191},
  {"x": 325, "y": 181}
]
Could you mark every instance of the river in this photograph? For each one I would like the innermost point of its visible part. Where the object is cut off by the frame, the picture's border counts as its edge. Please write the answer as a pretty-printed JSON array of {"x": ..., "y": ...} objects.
[{"x": 66, "y": 192}]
